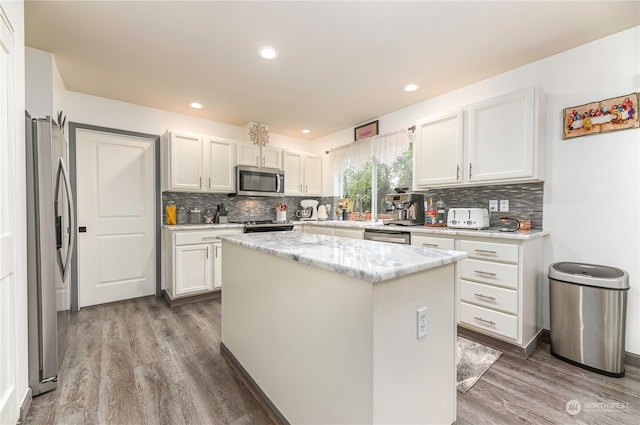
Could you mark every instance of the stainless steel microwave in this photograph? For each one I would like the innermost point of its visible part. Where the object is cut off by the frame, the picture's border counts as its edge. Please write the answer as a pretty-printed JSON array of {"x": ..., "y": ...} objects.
[{"x": 254, "y": 181}]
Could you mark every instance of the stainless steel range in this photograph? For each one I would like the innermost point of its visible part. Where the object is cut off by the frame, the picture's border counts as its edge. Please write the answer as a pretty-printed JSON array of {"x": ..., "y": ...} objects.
[{"x": 254, "y": 226}]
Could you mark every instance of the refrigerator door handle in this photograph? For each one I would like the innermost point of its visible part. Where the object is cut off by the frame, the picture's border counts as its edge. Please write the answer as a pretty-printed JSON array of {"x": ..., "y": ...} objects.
[{"x": 63, "y": 174}]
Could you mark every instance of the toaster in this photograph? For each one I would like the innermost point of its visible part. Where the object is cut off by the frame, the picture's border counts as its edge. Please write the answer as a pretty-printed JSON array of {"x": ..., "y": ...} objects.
[{"x": 468, "y": 218}]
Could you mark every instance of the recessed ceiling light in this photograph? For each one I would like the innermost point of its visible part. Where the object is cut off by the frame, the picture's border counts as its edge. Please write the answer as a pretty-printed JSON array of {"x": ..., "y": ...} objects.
[
  {"x": 268, "y": 52},
  {"x": 306, "y": 131},
  {"x": 196, "y": 105},
  {"x": 410, "y": 87}
]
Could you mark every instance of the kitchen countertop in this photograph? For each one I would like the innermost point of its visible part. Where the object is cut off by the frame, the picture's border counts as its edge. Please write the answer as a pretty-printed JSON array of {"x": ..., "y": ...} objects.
[
  {"x": 177, "y": 227},
  {"x": 362, "y": 259},
  {"x": 489, "y": 233}
]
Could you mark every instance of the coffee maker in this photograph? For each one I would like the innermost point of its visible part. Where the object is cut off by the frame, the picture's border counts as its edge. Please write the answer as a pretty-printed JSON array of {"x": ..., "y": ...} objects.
[{"x": 407, "y": 209}]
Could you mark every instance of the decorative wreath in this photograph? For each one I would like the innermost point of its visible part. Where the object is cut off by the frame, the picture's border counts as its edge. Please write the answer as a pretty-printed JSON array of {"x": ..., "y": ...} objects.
[{"x": 259, "y": 134}]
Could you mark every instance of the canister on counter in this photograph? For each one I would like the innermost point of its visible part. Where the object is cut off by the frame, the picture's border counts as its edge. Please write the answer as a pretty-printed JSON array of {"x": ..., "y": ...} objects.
[
  {"x": 182, "y": 215},
  {"x": 195, "y": 216},
  {"x": 171, "y": 212}
]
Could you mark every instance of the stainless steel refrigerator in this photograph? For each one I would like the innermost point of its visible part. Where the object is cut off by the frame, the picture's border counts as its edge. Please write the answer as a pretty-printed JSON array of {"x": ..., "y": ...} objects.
[{"x": 49, "y": 216}]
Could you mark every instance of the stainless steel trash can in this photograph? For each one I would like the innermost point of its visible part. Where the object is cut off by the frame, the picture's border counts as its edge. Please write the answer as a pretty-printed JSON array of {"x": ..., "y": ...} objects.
[{"x": 588, "y": 309}]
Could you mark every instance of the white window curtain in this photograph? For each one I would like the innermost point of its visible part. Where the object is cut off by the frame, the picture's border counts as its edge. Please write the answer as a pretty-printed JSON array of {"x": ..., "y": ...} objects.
[{"x": 385, "y": 149}]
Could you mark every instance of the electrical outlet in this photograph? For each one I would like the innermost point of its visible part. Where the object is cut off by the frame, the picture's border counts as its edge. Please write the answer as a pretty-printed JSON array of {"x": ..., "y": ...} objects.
[
  {"x": 504, "y": 205},
  {"x": 421, "y": 322},
  {"x": 493, "y": 205}
]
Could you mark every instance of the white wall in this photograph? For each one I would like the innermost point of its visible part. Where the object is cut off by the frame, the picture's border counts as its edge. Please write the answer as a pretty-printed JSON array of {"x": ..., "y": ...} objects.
[
  {"x": 15, "y": 12},
  {"x": 592, "y": 189},
  {"x": 87, "y": 109}
]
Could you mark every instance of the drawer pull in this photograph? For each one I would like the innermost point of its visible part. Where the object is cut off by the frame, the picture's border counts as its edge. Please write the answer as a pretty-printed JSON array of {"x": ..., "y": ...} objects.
[
  {"x": 430, "y": 245},
  {"x": 485, "y": 252},
  {"x": 488, "y": 322},
  {"x": 210, "y": 238},
  {"x": 485, "y": 297},
  {"x": 485, "y": 273}
]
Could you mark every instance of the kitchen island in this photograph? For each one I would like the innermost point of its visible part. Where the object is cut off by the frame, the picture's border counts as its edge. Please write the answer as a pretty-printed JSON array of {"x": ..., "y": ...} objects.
[{"x": 326, "y": 328}]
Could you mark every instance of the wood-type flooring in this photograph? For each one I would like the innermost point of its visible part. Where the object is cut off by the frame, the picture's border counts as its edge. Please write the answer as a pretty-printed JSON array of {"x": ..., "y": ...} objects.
[{"x": 142, "y": 362}]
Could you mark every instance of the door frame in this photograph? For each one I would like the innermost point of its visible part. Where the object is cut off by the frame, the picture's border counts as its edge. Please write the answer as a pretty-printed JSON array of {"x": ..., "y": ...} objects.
[{"x": 73, "y": 126}]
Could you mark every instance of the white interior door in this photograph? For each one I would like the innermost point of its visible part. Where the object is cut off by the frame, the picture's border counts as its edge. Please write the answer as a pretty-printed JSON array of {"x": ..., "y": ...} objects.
[
  {"x": 116, "y": 220},
  {"x": 8, "y": 230}
]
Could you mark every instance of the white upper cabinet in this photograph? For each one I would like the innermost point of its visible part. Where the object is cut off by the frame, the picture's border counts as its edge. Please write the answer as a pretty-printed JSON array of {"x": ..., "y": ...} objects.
[
  {"x": 198, "y": 163},
  {"x": 502, "y": 135},
  {"x": 221, "y": 163},
  {"x": 437, "y": 153},
  {"x": 292, "y": 163},
  {"x": 302, "y": 174},
  {"x": 503, "y": 143},
  {"x": 183, "y": 161},
  {"x": 257, "y": 156},
  {"x": 312, "y": 175}
]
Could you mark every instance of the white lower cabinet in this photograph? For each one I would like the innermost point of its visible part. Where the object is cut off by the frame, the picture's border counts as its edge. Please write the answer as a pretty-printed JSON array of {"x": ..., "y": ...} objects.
[
  {"x": 499, "y": 286},
  {"x": 432, "y": 242},
  {"x": 192, "y": 261}
]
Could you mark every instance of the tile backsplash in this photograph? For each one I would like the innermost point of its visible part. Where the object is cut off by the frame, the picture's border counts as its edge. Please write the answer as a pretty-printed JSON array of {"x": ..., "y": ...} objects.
[
  {"x": 525, "y": 201},
  {"x": 241, "y": 208}
]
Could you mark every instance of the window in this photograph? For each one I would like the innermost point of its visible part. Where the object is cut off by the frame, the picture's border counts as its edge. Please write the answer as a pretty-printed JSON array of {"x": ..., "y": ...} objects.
[{"x": 369, "y": 172}]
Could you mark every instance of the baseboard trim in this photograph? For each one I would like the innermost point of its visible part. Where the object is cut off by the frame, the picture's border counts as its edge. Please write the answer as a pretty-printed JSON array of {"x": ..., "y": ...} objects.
[
  {"x": 25, "y": 406},
  {"x": 176, "y": 302},
  {"x": 267, "y": 406},
  {"x": 630, "y": 359},
  {"x": 498, "y": 344}
]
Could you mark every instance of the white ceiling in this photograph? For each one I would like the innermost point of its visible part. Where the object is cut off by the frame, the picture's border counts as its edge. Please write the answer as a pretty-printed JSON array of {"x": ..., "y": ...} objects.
[{"x": 340, "y": 64}]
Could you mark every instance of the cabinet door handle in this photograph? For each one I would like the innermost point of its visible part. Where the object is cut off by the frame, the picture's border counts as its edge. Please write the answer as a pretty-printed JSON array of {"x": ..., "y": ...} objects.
[
  {"x": 485, "y": 297},
  {"x": 215, "y": 251},
  {"x": 257, "y": 160},
  {"x": 430, "y": 245},
  {"x": 209, "y": 182},
  {"x": 263, "y": 161},
  {"x": 306, "y": 188},
  {"x": 300, "y": 187},
  {"x": 486, "y": 252},
  {"x": 207, "y": 256},
  {"x": 470, "y": 170},
  {"x": 457, "y": 172},
  {"x": 488, "y": 322},
  {"x": 485, "y": 273},
  {"x": 200, "y": 181}
]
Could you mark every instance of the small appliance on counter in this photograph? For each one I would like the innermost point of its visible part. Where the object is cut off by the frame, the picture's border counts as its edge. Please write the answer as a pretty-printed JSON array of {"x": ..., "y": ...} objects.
[
  {"x": 309, "y": 210},
  {"x": 222, "y": 214},
  {"x": 407, "y": 209},
  {"x": 509, "y": 224},
  {"x": 468, "y": 218},
  {"x": 322, "y": 212}
]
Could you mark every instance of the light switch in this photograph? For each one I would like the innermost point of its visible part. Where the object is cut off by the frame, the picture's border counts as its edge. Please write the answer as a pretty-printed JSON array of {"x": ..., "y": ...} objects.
[{"x": 493, "y": 205}]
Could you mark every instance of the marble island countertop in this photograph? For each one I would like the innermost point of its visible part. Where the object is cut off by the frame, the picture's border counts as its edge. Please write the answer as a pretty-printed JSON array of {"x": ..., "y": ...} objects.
[{"x": 362, "y": 259}]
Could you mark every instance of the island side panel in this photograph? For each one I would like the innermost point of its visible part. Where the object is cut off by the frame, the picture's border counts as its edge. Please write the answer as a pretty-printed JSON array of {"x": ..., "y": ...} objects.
[
  {"x": 304, "y": 335},
  {"x": 414, "y": 379}
]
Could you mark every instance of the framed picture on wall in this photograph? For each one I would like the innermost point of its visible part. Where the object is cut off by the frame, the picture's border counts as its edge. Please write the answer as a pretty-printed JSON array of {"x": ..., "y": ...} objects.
[
  {"x": 618, "y": 113},
  {"x": 365, "y": 130}
]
